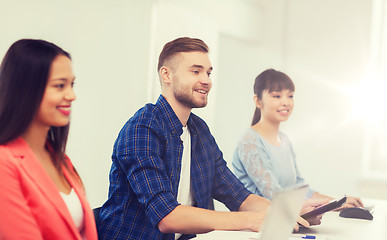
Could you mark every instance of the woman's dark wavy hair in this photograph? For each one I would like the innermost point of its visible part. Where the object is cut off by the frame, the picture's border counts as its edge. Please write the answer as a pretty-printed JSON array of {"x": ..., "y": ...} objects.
[
  {"x": 271, "y": 80},
  {"x": 23, "y": 78}
]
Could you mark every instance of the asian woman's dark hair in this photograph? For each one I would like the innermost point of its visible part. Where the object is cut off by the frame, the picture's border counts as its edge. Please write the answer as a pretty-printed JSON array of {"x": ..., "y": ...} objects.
[
  {"x": 24, "y": 73},
  {"x": 270, "y": 80}
]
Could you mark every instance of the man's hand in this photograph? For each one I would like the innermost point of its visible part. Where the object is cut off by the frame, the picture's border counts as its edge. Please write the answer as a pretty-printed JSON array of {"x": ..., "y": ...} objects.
[{"x": 255, "y": 209}]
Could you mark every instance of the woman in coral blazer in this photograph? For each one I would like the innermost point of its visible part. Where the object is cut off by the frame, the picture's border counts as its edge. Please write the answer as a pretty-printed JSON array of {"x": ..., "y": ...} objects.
[{"x": 41, "y": 194}]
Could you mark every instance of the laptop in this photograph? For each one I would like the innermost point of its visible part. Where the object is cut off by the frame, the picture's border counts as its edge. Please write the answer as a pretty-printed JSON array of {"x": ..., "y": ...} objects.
[
  {"x": 279, "y": 222},
  {"x": 283, "y": 213}
]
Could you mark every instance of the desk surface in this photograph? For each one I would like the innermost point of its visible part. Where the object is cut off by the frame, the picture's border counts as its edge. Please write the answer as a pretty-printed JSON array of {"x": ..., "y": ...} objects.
[{"x": 333, "y": 227}]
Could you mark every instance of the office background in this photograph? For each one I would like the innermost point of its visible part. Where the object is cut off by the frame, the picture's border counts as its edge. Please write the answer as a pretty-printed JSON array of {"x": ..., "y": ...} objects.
[{"x": 334, "y": 50}]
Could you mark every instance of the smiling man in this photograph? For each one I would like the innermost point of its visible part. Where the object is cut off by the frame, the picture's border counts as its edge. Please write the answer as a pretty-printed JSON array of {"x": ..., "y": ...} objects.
[{"x": 166, "y": 165}]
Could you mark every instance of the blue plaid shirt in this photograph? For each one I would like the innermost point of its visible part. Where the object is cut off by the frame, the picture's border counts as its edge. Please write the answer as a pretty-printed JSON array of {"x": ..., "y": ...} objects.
[{"x": 145, "y": 173}]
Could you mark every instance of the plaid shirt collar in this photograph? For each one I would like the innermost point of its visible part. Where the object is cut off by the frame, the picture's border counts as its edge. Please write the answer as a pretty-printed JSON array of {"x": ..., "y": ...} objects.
[{"x": 174, "y": 122}]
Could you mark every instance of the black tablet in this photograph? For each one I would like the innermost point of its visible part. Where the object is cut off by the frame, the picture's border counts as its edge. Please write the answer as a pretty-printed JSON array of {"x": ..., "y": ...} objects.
[{"x": 326, "y": 208}]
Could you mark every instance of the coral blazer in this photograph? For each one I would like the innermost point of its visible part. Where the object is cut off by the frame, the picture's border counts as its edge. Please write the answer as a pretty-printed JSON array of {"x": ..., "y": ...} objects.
[{"x": 30, "y": 204}]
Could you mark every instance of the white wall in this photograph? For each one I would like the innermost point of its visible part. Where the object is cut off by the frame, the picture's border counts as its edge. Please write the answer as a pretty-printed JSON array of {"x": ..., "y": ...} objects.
[
  {"x": 114, "y": 44},
  {"x": 109, "y": 44}
]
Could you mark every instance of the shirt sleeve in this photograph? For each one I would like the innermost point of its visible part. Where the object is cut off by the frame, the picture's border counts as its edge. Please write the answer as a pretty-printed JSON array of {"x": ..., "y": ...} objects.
[
  {"x": 256, "y": 162},
  {"x": 227, "y": 188},
  {"x": 16, "y": 219},
  {"x": 138, "y": 150}
]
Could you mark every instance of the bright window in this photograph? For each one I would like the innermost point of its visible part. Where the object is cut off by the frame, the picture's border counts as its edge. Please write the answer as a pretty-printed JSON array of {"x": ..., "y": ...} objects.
[{"x": 374, "y": 96}]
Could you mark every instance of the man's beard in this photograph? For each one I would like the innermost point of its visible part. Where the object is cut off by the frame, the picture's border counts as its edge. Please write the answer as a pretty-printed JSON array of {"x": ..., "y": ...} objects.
[{"x": 186, "y": 99}]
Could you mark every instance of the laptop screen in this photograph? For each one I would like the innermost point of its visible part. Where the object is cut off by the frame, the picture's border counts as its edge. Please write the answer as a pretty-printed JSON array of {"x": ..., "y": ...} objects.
[{"x": 283, "y": 213}]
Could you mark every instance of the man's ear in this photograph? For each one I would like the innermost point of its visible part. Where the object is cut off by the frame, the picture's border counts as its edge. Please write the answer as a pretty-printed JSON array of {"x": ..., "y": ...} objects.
[
  {"x": 258, "y": 102},
  {"x": 166, "y": 75}
]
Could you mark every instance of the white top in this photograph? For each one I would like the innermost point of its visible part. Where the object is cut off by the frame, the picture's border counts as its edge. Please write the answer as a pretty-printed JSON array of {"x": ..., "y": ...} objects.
[
  {"x": 75, "y": 208},
  {"x": 184, "y": 194}
]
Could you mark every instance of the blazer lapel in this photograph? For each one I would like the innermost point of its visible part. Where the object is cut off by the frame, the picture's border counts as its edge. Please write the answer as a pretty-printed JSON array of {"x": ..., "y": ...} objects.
[{"x": 34, "y": 169}]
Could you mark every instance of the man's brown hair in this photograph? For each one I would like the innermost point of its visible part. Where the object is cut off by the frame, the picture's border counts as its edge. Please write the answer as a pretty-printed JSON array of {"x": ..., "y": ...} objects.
[{"x": 183, "y": 44}]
